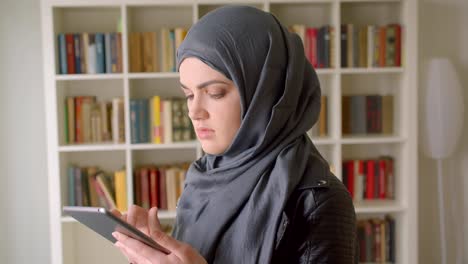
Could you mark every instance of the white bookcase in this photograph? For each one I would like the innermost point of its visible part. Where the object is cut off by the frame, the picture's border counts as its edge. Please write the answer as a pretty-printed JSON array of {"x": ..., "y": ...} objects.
[{"x": 72, "y": 243}]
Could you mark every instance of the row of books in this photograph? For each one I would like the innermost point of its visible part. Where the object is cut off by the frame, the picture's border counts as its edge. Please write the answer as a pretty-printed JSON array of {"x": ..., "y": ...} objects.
[
  {"x": 318, "y": 44},
  {"x": 147, "y": 54},
  {"x": 371, "y": 45},
  {"x": 160, "y": 121},
  {"x": 370, "y": 179},
  {"x": 367, "y": 114},
  {"x": 89, "y": 53},
  {"x": 159, "y": 186},
  {"x": 87, "y": 120},
  {"x": 320, "y": 128},
  {"x": 90, "y": 186},
  {"x": 376, "y": 239}
]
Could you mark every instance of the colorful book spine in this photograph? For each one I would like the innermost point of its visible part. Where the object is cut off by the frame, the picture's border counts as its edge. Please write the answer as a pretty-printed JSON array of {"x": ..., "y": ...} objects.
[
  {"x": 62, "y": 47},
  {"x": 100, "y": 53},
  {"x": 77, "y": 53}
]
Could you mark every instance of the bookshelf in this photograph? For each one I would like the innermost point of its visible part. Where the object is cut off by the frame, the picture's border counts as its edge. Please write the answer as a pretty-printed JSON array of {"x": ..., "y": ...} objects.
[{"x": 72, "y": 243}]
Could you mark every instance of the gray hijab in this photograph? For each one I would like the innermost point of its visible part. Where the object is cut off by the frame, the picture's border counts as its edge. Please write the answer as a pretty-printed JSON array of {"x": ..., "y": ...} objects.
[{"x": 233, "y": 202}]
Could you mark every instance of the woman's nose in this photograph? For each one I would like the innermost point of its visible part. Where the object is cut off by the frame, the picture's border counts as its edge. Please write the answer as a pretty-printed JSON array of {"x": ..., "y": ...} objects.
[{"x": 197, "y": 109}]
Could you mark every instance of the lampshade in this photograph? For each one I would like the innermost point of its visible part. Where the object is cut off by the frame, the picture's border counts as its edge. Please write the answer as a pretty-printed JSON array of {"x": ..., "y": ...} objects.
[{"x": 442, "y": 115}]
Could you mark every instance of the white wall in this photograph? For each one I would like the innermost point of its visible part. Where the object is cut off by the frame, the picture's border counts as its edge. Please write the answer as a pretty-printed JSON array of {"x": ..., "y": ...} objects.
[
  {"x": 23, "y": 183},
  {"x": 443, "y": 32}
]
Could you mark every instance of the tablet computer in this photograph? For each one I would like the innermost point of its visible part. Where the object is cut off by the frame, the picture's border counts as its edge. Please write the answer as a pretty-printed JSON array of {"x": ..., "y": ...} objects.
[{"x": 105, "y": 223}]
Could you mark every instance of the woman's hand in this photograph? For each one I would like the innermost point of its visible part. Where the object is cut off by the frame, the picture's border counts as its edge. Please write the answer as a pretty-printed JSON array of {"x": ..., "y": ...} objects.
[
  {"x": 141, "y": 218},
  {"x": 139, "y": 253}
]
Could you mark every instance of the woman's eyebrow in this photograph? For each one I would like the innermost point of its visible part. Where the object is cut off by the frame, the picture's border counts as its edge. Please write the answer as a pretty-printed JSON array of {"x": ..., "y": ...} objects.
[{"x": 204, "y": 84}]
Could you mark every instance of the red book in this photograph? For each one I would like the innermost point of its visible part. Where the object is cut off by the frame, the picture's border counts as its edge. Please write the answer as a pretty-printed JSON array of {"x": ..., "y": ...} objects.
[
  {"x": 370, "y": 175},
  {"x": 382, "y": 179},
  {"x": 397, "y": 44},
  {"x": 311, "y": 34},
  {"x": 154, "y": 187},
  {"x": 145, "y": 197},
  {"x": 70, "y": 53},
  {"x": 162, "y": 189}
]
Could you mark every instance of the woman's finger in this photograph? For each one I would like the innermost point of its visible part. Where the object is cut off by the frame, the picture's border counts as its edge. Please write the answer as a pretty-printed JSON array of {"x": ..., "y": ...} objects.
[
  {"x": 116, "y": 213},
  {"x": 138, "y": 217},
  {"x": 153, "y": 220},
  {"x": 124, "y": 251}
]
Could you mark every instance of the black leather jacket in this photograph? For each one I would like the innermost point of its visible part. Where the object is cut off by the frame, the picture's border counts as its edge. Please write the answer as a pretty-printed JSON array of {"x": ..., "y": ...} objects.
[{"x": 318, "y": 225}]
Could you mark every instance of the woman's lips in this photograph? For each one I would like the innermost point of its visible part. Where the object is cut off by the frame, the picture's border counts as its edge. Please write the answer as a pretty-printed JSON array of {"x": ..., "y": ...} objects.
[{"x": 205, "y": 133}]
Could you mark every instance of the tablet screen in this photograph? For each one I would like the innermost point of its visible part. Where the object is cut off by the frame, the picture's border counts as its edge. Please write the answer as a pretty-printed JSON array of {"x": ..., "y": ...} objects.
[{"x": 105, "y": 223}]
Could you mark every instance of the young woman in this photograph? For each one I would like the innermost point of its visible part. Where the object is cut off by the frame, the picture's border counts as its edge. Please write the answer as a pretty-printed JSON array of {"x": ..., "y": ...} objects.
[{"x": 262, "y": 193}]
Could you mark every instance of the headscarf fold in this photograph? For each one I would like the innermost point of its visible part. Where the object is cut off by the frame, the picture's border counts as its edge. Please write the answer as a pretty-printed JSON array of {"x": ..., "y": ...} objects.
[{"x": 232, "y": 202}]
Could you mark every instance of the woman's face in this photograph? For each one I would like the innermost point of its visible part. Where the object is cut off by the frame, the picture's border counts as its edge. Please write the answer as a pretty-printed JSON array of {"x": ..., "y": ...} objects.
[{"x": 213, "y": 102}]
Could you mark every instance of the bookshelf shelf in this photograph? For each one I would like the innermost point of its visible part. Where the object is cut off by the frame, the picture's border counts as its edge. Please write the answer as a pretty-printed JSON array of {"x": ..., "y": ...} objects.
[
  {"x": 103, "y": 76},
  {"x": 181, "y": 145},
  {"x": 372, "y": 70},
  {"x": 323, "y": 141},
  {"x": 167, "y": 215},
  {"x": 371, "y": 140},
  {"x": 325, "y": 71},
  {"x": 92, "y": 147},
  {"x": 156, "y": 75},
  {"x": 71, "y": 243},
  {"x": 377, "y": 207}
]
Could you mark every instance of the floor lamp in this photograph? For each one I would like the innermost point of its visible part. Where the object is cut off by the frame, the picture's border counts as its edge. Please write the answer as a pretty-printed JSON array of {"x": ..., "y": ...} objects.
[{"x": 442, "y": 125}]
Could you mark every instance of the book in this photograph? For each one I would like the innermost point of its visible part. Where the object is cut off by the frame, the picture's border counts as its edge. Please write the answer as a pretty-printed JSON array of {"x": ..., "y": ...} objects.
[
  {"x": 387, "y": 114},
  {"x": 100, "y": 53},
  {"x": 135, "y": 47},
  {"x": 70, "y": 53},
  {"x": 77, "y": 53},
  {"x": 120, "y": 190},
  {"x": 150, "y": 52},
  {"x": 156, "y": 125},
  {"x": 106, "y": 190},
  {"x": 62, "y": 47}
]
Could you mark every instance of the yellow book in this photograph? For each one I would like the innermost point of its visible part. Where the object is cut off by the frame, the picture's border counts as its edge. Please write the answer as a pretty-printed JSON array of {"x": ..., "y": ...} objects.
[
  {"x": 120, "y": 190},
  {"x": 156, "y": 130}
]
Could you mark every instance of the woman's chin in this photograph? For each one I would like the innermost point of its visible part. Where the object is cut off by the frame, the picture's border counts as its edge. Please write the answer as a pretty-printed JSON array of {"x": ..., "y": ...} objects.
[{"x": 211, "y": 148}]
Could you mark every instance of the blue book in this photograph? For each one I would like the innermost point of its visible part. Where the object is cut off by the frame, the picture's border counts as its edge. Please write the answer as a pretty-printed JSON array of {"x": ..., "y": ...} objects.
[
  {"x": 100, "y": 53},
  {"x": 145, "y": 121},
  {"x": 133, "y": 121},
  {"x": 77, "y": 46},
  {"x": 62, "y": 54},
  {"x": 107, "y": 49}
]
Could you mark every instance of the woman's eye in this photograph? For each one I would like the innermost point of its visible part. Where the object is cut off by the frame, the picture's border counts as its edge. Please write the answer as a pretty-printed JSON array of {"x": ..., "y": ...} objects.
[
  {"x": 217, "y": 95},
  {"x": 189, "y": 96}
]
